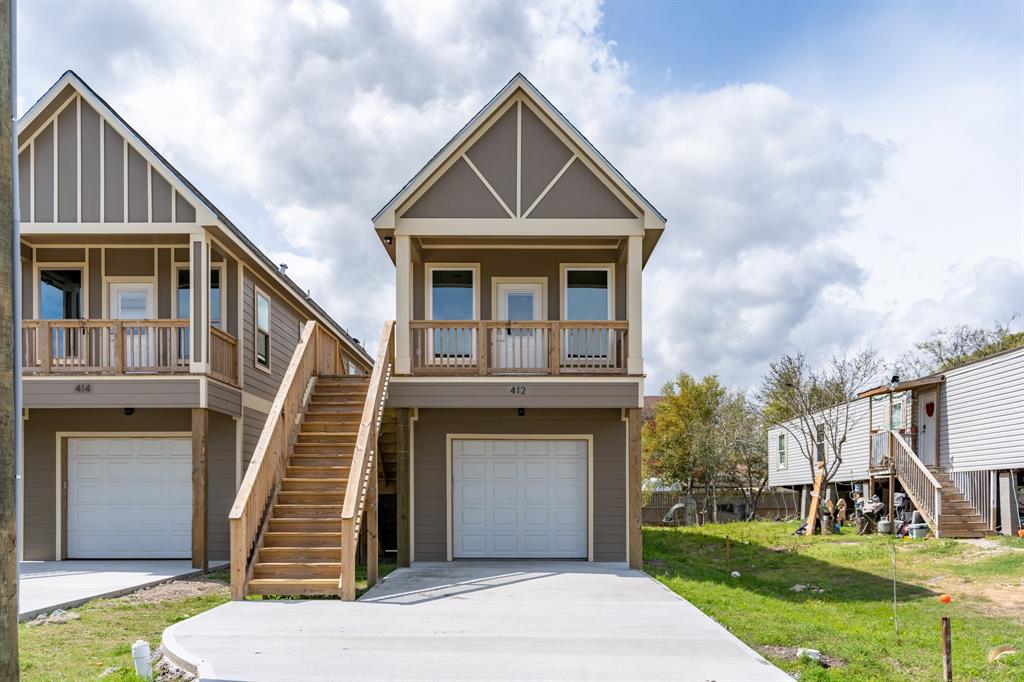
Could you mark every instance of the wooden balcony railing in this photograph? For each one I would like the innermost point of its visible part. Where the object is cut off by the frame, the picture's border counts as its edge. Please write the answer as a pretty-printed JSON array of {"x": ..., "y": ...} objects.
[
  {"x": 223, "y": 356},
  {"x": 120, "y": 347},
  {"x": 496, "y": 347}
]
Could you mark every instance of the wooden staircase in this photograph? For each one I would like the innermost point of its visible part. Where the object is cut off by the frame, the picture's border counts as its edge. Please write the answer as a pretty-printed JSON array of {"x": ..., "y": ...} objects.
[
  {"x": 300, "y": 550},
  {"x": 311, "y": 488},
  {"x": 957, "y": 518}
]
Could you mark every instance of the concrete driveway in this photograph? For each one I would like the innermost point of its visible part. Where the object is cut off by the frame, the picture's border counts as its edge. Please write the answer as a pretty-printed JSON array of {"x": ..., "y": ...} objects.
[
  {"x": 472, "y": 621},
  {"x": 47, "y": 585}
]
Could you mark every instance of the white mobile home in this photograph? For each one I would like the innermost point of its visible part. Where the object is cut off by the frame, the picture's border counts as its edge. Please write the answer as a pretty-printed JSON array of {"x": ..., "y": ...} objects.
[{"x": 951, "y": 440}]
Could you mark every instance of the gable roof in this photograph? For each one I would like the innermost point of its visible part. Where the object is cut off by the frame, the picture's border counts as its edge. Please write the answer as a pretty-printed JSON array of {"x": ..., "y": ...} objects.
[
  {"x": 519, "y": 82},
  {"x": 73, "y": 80}
]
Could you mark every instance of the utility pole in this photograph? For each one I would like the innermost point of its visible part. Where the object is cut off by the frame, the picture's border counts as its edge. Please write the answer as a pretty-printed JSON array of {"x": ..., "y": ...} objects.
[{"x": 9, "y": 411}]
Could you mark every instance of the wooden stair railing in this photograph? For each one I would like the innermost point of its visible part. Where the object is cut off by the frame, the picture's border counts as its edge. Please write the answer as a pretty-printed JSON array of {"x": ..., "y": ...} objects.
[
  {"x": 923, "y": 488},
  {"x": 361, "y": 488},
  {"x": 316, "y": 352}
]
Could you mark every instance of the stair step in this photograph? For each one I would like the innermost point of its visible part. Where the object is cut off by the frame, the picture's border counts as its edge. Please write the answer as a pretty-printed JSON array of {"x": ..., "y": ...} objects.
[
  {"x": 315, "y": 525},
  {"x": 327, "y": 437},
  {"x": 286, "y": 539},
  {"x": 315, "y": 426},
  {"x": 961, "y": 533},
  {"x": 298, "y": 569},
  {"x": 297, "y": 484},
  {"x": 299, "y": 554},
  {"x": 303, "y": 470},
  {"x": 308, "y": 497},
  {"x": 306, "y": 511},
  {"x": 293, "y": 586},
  {"x": 336, "y": 458}
]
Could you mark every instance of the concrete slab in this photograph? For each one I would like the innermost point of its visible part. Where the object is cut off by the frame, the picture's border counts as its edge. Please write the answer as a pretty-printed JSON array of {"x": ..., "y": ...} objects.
[
  {"x": 473, "y": 621},
  {"x": 47, "y": 585}
]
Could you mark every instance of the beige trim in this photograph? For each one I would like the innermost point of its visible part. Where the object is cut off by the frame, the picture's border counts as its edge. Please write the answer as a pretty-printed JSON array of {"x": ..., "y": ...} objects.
[
  {"x": 589, "y": 438},
  {"x": 527, "y": 379},
  {"x": 59, "y": 517},
  {"x": 239, "y": 450},
  {"x": 519, "y": 158},
  {"x": 542, "y": 281},
  {"x": 485, "y": 246},
  {"x": 634, "y": 304},
  {"x": 256, "y": 293},
  {"x": 544, "y": 192},
  {"x": 563, "y": 283},
  {"x": 82, "y": 265},
  {"x": 429, "y": 268},
  {"x": 520, "y": 227},
  {"x": 403, "y": 303},
  {"x": 490, "y": 189},
  {"x": 255, "y": 402},
  {"x": 114, "y": 377}
]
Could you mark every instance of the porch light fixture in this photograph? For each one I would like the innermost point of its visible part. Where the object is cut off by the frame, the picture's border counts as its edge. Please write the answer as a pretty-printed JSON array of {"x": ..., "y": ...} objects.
[{"x": 521, "y": 411}]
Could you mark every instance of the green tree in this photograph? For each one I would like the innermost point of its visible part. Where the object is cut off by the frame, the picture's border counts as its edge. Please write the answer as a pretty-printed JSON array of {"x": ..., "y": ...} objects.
[{"x": 951, "y": 347}]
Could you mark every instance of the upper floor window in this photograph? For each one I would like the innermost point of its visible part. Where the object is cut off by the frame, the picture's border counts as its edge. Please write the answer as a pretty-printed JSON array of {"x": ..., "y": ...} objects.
[
  {"x": 262, "y": 330},
  {"x": 183, "y": 291},
  {"x": 896, "y": 417},
  {"x": 452, "y": 294},
  {"x": 782, "y": 450},
  {"x": 819, "y": 445},
  {"x": 587, "y": 293},
  {"x": 60, "y": 294}
]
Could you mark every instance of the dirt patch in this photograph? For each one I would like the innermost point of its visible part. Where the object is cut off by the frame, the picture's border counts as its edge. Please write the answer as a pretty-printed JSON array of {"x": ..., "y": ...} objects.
[
  {"x": 985, "y": 548},
  {"x": 1000, "y": 599},
  {"x": 177, "y": 589},
  {"x": 788, "y": 653}
]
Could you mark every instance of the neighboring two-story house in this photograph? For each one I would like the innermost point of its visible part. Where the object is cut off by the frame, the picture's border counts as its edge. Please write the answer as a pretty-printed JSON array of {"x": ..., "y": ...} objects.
[
  {"x": 155, "y": 336},
  {"x": 518, "y": 373}
]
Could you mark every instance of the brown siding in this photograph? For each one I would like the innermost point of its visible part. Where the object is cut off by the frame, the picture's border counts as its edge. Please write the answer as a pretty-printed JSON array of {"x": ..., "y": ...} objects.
[
  {"x": 579, "y": 194},
  {"x": 252, "y": 427},
  {"x": 184, "y": 212},
  {"x": 284, "y": 336},
  {"x": 60, "y": 255},
  {"x": 42, "y": 180},
  {"x": 91, "y": 126},
  {"x": 494, "y": 155},
  {"x": 129, "y": 263},
  {"x": 28, "y": 290},
  {"x": 165, "y": 284},
  {"x": 120, "y": 393},
  {"x": 221, "y": 398},
  {"x": 457, "y": 194},
  {"x": 543, "y": 155},
  {"x": 519, "y": 263},
  {"x": 138, "y": 187},
  {"x": 113, "y": 171},
  {"x": 161, "y": 197},
  {"x": 221, "y": 481},
  {"x": 41, "y": 460},
  {"x": 67, "y": 165},
  {"x": 430, "y": 466},
  {"x": 95, "y": 283},
  {"x": 25, "y": 186}
]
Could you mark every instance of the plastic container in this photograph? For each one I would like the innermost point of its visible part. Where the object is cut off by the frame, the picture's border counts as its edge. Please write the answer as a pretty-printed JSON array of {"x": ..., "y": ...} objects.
[
  {"x": 918, "y": 530},
  {"x": 884, "y": 527}
]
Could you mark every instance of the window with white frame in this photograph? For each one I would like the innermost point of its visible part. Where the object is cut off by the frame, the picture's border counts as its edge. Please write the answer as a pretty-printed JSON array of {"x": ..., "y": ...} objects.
[
  {"x": 782, "y": 450},
  {"x": 896, "y": 417},
  {"x": 587, "y": 296},
  {"x": 216, "y": 279},
  {"x": 819, "y": 445},
  {"x": 262, "y": 329},
  {"x": 452, "y": 295}
]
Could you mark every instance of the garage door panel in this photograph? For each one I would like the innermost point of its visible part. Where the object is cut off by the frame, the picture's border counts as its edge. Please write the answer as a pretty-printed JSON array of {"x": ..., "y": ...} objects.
[
  {"x": 534, "y": 503},
  {"x": 129, "y": 498}
]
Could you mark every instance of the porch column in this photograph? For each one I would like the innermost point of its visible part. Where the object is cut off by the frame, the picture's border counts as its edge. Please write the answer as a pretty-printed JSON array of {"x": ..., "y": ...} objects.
[
  {"x": 404, "y": 486},
  {"x": 200, "y": 487},
  {"x": 635, "y": 496},
  {"x": 199, "y": 302},
  {"x": 403, "y": 303},
  {"x": 634, "y": 304}
]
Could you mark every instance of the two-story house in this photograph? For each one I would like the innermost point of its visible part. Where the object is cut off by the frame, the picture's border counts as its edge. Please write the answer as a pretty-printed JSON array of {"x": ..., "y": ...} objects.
[
  {"x": 509, "y": 389},
  {"x": 154, "y": 339}
]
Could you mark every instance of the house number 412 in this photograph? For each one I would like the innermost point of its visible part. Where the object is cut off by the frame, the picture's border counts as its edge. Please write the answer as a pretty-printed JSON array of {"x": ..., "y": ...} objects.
[{"x": 518, "y": 389}]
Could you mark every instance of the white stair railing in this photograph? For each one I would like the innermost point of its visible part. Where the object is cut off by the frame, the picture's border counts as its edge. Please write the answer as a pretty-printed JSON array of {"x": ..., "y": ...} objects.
[{"x": 923, "y": 488}]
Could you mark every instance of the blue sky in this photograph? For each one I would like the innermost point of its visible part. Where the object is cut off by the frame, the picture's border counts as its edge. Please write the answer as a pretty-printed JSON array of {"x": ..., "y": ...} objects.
[{"x": 835, "y": 175}]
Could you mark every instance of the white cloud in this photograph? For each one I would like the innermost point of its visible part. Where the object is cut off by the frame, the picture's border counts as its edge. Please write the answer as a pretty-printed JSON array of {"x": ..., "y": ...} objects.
[{"x": 301, "y": 120}]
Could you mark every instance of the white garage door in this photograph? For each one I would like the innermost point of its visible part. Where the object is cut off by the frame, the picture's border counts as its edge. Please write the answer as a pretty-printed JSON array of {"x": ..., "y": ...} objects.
[
  {"x": 519, "y": 499},
  {"x": 129, "y": 498}
]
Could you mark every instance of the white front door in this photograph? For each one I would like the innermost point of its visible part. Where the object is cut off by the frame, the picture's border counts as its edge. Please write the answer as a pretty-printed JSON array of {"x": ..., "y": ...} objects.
[
  {"x": 926, "y": 406},
  {"x": 520, "y": 348},
  {"x": 519, "y": 499},
  {"x": 134, "y": 301},
  {"x": 129, "y": 498}
]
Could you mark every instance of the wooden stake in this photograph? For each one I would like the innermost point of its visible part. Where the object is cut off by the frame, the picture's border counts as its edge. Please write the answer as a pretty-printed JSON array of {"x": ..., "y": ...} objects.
[
  {"x": 947, "y": 651},
  {"x": 728, "y": 551}
]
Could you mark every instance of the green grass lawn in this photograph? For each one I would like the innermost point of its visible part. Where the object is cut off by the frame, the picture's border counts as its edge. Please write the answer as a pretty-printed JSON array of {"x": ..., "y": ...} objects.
[
  {"x": 852, "y": 619},
  {"x": 103, "y": 635}
]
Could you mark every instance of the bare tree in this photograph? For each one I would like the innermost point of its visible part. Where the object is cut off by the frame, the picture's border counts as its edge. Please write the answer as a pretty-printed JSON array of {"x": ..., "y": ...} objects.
[
  {"x": 746, "y": 439},
  {"x": 813, "y": 405}
]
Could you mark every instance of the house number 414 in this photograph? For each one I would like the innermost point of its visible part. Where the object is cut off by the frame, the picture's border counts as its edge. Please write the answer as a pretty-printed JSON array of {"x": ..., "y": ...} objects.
[{"x": 517, "y": 389}]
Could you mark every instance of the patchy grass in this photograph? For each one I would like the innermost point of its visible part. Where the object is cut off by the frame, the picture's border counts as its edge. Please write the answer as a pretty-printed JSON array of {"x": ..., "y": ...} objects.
[
  {"x": 850, "y": 620},
  {"x": 102, "y": 637}
]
